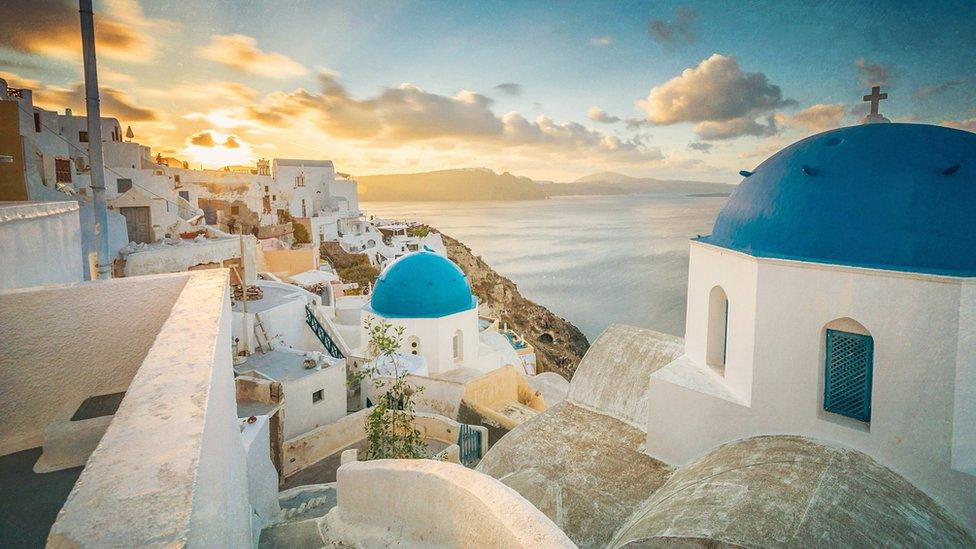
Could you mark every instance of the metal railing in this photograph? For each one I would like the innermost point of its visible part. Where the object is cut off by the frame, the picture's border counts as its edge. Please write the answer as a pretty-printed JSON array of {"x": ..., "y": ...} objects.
[{"x": 321, "y": 333}]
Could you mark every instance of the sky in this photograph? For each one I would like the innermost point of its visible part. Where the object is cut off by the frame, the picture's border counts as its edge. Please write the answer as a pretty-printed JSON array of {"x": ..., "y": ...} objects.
[{"x": 549, "y": 90}]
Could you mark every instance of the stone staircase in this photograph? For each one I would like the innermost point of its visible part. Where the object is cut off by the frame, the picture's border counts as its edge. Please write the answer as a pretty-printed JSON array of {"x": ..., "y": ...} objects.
[{"x": 302, "y": 508}]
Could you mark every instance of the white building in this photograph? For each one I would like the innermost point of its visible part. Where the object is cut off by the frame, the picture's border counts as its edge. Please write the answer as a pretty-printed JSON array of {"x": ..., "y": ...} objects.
[
  {"x": 48, "y": 153},
  {"x": 429, "y": 296},
  {"x": 836, "y": 299},
  {"x": 275, "y": 342}
]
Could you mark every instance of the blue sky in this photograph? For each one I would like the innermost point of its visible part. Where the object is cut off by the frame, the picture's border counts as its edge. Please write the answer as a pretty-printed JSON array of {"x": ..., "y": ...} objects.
[{"x": 802, "y": 68}]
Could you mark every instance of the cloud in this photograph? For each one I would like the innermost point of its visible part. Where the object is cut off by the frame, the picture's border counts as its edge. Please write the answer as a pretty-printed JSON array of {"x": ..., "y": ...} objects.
[
  {"x": 637, "y": 123},
  {"x": 409, "y": 114},
  {"x": 968, "y": 124},
  {"x": 203, "y": 139},
  {"x": 241, "y": 53},
  {"x": 714, "y": 130},
  {"x": 212, "y": 138},
  {"x": 52, "y": 28},
  {"x": 599, "y": 115},
  {"x": 929, "y": 91},
  {"x": 716, "y": 94},
  {"x": 601, "y": 41},
  {"x": 818, "y": 117},
  {"x": 873, "y": 74},
  {"x": 113, "y": 102},
  {"x": 699, "y": 146},
  {"x": 510, "y": 88},
  {"x": 17, "y": 81},
  {"x": 671, "y": 34}
]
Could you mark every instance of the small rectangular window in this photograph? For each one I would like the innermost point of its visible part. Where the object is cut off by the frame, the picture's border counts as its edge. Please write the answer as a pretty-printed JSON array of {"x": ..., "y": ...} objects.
[
  {"x": 235, "y": 210},
  {"x": 62, "y": 170},
  {"x": 317, "y": 396},
  {"x": 176, "y": 178},
  {"x": 37, "y": 122},
  {"x": 123, "y": 185},
  {"x": 83, "y": 137},
  {"x": 185, "y": 195},
  {"x": 848, "y": 373}
]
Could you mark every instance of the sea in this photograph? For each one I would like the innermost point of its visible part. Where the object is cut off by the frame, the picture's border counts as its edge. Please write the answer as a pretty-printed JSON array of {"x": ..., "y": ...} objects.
[{"x": 594, "y": 260}]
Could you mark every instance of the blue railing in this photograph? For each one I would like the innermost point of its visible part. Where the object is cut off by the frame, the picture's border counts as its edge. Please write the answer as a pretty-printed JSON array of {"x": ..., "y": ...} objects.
[
  {"x": 316, "y": 326},
  {"x": 469, "y": 440}
]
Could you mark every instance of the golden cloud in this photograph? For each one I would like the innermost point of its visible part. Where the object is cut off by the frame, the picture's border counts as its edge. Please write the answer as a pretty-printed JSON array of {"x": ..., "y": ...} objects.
[
  {"x": 113, "y": 102},
  {"x": 241, "y": 53},
  {"x": 816, "y": 118},
  {"x": 409, "y": 114},
  {"x": 51, "y": 27}
]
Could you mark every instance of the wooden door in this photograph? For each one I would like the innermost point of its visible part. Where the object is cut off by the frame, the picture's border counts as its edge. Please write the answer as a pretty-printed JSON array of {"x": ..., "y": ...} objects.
[{"x": 138, "y": 223}]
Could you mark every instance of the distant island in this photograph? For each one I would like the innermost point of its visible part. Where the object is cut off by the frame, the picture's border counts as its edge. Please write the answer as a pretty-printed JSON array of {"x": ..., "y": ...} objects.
[
  {"x": 449, "y": 185},
  {"x": 612, "y": 183},
  {"x": 472, "y": 184}
]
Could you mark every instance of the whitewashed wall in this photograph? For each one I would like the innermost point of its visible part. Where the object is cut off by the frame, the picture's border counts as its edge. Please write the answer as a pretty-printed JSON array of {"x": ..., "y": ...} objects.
[
  {"x": 49, "y": 356},
  {"x": 301, "y": 414},
  {"x": 41, "y": 244},
  {"x": 435, "y": 337},
  {"x": 914, "y": 320}
]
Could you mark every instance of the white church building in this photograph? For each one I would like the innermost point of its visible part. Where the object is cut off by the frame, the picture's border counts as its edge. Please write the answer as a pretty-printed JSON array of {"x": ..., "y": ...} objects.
[
  {"x": 836, "y": 299},
  {"x": 430, "y": 297}
]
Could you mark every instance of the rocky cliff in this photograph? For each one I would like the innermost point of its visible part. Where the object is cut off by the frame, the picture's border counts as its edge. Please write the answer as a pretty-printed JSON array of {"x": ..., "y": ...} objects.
[{"x": 559, "y": 345}]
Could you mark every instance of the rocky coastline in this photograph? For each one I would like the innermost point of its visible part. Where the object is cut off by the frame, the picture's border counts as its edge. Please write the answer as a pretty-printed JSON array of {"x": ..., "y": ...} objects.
[{"x": 559, "y": 345}]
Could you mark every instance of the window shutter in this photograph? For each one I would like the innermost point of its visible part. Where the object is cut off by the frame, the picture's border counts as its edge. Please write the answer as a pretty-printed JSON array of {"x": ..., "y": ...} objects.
[{"x": 848, "y": 373}]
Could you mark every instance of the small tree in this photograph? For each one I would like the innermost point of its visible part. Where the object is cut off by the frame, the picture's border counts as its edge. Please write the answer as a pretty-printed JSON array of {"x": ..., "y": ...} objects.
[
  {"x": 300, "y": 233},
  {"x": 390, "y": 430}
]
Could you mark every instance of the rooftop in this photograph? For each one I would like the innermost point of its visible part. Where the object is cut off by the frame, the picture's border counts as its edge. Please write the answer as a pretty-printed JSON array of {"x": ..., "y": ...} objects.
[
  {"x": 791, "y": 491},
  {"x": 165, "y": 341},
  {"x": 304, "y": 163},
  {"x": 885, "y": 196},
  {"x": 422, "y": 284},
  {"x": 273, "y": 296},
  {"x": 277, "y": 365},
  {"x": 584, "y": 470}
]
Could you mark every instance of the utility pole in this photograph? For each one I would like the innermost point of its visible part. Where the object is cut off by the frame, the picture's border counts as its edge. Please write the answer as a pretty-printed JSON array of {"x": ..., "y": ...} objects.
[{"x": 93, "y": 112}]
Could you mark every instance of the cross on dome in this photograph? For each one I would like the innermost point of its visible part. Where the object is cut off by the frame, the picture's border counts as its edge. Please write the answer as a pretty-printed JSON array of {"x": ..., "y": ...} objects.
[{"x": 875, "y": 98}]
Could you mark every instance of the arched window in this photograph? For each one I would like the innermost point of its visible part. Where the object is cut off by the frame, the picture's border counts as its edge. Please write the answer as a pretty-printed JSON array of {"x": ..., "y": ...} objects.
[
  {"x": 848, "y": 369},
  {"x": 413, "y": 345},
  {"x": 458, "y": 346},
  {"x": 717, "y": 335}
]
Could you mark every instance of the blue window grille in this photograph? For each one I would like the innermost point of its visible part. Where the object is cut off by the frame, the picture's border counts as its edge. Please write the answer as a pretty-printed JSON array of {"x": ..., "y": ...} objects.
[
  {"x": 469, "y": 441},
  {"x": 847, "y": 375}
]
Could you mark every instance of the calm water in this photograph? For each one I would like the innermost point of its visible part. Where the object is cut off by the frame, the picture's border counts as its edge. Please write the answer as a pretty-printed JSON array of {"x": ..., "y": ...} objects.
[{"x": 594, "y": 260}]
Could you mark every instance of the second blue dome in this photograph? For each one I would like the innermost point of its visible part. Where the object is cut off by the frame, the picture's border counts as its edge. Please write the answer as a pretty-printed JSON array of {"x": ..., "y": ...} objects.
[{"x": 421, "y": 285}]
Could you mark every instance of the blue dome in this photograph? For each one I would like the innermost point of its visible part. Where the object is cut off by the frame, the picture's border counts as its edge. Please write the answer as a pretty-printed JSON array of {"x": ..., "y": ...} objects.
[
  {"x": 421, "y": 285},
  {"x": 889, "y": 196}
]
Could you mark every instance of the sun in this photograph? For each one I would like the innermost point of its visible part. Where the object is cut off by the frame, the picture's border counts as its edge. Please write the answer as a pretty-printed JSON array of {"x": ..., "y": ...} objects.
[{"x": 219, "y": 150}]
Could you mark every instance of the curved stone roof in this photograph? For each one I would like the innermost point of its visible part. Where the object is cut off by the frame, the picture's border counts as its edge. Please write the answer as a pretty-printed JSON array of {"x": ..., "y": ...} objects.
[
  {"x": 788, "y": 491},
  {"x": 421, "y": 285},
  {"x": 614, "y": 375},
  {"x": 586, "y": 471},
  {"x": 888, "y": 196}
]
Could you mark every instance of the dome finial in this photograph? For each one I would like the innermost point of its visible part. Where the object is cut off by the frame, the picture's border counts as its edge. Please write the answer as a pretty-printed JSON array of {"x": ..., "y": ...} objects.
[{"x": 875, "y": 97}]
